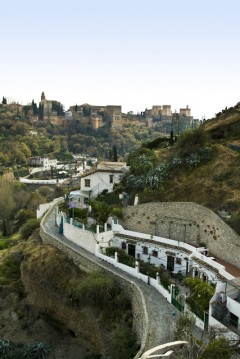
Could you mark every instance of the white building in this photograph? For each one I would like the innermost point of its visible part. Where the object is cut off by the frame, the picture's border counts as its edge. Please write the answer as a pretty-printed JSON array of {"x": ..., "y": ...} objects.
[
  {"x": 102, "y": 178},
  {"x": 43, "y": 162},
  {"x": 225, "y": 306},
  {"x": 48, "y": 163},
  {"x": 173, "y": 255}
]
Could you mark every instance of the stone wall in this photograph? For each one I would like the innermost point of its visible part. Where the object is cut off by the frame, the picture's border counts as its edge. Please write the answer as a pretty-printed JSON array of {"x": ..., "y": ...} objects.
[{"x": 187, "y": 222}]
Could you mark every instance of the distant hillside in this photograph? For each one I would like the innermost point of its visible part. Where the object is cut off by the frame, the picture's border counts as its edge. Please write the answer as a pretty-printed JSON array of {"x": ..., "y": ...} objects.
[{"x": 226, "y": 124}]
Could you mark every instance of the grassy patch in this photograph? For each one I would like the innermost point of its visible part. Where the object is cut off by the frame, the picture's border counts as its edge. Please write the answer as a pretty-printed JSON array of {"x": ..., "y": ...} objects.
[
  {"x": 97, "y": 289},
  {"x": 9, "y": 271}
]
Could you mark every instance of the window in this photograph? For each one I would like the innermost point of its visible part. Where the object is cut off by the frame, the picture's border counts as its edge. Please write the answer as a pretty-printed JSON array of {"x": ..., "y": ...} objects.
[
  {"x": 233, "y": 320},
  {"x": 124, "y": 245},
  {"x": 145, "y": 250},
  {"x": 204, "y": 277},
  {"x": 85, "y": 200},
  {"x": 110, "y": 178},
  {"x": 87, "y": 182},
  {"x": 154, "y": 253},
  {"x": 178, "y": 261}
]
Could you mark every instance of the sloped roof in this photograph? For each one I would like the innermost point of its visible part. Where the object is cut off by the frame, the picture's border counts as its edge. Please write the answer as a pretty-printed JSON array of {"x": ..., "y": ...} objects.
[{"x": 112, "y": 167}]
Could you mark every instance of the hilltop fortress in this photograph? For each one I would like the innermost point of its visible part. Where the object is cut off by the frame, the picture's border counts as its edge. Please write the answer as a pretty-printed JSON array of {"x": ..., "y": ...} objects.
[{"x": 160, "y": 117}]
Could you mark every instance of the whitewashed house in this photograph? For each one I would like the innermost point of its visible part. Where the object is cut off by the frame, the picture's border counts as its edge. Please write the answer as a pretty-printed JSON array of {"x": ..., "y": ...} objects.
[
  {"x": 175, "y": 256},
  {"x": 102, "y": 178},
  {"x": 225, "y": 306},
  {"x": 43, "y": 162},
  {"x": 48, "y": 163}
]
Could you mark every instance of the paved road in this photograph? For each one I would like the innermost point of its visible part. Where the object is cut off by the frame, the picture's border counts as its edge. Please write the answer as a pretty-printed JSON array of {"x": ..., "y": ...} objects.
[{"x": 160, "y": 312}]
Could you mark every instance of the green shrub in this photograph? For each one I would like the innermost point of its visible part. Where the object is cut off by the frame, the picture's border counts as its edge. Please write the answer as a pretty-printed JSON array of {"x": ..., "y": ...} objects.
[
  {"x": 97, "y": 289},
  {"x": 28, "y": 228},
  {"x": 156, "y": 143},
  {"x": 123, "y": 257},
  {"x": 224, "y": 176},
  {"x": 200, "y": 294},
  {"x": 191, "y": 141},
  {"x": 21, "y": 173},
  {"x": 122, "y": 344},
  {"x": 63, "y": 207},
  {"x": 5, "y": 348},
  {"x": 9, "y": 271},
  {"x": 100, "y": 211},
  {"x": 6, "y": 243},
  {"x": 37, "y": 350},
  {"x": 152, "y": 270},
  {"x": 111, "y": 198},
  {"x": 219, "y": 348},
  {"x": 110, "y": 251},
  {"x": 22, "y": 216},
  {"x": 117, "y": 212},
  {"x": 78, "y": 213}
]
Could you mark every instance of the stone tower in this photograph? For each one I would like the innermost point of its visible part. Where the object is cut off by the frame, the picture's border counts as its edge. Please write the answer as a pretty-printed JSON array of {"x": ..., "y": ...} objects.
[{"x": 43, "y": 98}]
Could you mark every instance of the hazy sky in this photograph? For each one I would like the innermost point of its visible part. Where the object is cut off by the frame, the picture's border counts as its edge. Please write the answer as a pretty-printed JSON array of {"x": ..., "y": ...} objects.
[{"x": 134, "y": 53}]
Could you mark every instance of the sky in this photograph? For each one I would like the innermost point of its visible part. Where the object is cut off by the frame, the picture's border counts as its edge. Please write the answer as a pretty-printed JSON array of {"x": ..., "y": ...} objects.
[{"x": 134, "y": 53}]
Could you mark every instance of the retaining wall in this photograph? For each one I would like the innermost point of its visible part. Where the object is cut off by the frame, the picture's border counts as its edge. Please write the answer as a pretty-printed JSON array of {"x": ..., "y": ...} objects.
[{"x": 187, "y": 222}]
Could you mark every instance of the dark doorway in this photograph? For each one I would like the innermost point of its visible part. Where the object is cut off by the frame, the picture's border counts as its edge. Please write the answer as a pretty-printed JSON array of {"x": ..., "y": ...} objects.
[
  {"x": 131, "y": 250},
  {"x": 233, "y": 320},
  {"x": 186, "y": 267},
  {"x": 170, "y": 263}
]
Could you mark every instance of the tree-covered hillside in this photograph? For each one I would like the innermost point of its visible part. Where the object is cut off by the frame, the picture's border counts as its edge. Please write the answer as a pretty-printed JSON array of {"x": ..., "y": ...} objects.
[{"x": 21, "y": 139}]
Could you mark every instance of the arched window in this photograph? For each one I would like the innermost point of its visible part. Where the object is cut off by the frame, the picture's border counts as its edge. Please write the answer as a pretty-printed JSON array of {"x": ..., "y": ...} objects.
[
  {"x": 196, "y": 272},
  {"x": 204, "y": 277}
]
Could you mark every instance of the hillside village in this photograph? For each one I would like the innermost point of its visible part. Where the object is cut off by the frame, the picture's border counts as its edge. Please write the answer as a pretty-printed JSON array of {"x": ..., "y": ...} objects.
[{"x": 161, "y": 216}]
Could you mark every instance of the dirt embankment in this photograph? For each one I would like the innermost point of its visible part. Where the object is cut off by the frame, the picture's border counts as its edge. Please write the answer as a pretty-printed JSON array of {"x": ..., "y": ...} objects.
[{"x": 36, "y": 304}]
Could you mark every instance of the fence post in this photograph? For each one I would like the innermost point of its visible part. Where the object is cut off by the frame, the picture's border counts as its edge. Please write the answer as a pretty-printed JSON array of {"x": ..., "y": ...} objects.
[
  {"x": 137, "y": 266},
  {"x": 116, "y": 257}
]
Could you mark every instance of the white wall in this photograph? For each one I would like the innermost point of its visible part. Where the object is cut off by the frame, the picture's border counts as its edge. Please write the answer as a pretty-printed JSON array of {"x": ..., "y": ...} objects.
[
  {"x": 81, "y": 237},
  {"x": 234, "y": 307},
  {"x": 44, "y": 207},
  {"x": 104, "y": 238},
  {"x": 99, "y": 181},
  {"x": 134, "y": 272}
]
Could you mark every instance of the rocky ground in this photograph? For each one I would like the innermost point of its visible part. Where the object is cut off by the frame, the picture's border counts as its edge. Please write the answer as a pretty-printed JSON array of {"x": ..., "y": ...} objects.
[
  {"x": 27, "y": 312},
  {"x": 22, "y": 323}
]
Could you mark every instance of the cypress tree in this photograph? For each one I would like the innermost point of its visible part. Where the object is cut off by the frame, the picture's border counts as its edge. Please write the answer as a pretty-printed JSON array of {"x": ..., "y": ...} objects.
[{"x": 115, "y": 154}]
